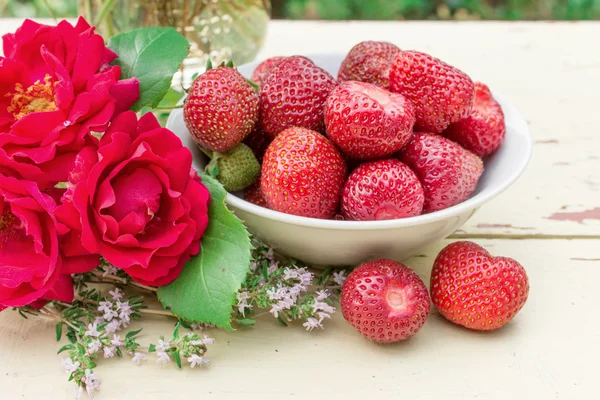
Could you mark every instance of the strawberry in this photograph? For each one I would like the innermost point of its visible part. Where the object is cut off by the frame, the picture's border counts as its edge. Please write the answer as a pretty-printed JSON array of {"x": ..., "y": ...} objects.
[
  {"x": 473, "y": 289},
  {"x": 448, "y": 173},
  {"x": 482, "y": 132},
  {"x": 264, "y": 68},
  {"x": 254, "y": 195},
  {"x": 366, "y": 121},
  {"x": 303, "y": 174},
  {"x": 258, "y": 141},
  {"x": 369, "y": 62},
  {"x": 385, "y": 301},
  {"x": 294, "y": 94},
  {"x": 440, "y": 93},
  {"x": 221, "y": 108},
  {"x": 383, "y": 189}
]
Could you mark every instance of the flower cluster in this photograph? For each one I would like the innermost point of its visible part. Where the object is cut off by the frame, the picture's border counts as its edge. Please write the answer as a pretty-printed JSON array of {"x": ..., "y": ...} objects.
[
  {"x": 80, "y": 176},
  {"x": 287, "y": 291}
]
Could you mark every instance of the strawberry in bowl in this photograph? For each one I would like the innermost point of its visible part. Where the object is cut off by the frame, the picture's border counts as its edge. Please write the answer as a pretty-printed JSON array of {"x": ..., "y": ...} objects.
[{"x": 334, "y": 207}]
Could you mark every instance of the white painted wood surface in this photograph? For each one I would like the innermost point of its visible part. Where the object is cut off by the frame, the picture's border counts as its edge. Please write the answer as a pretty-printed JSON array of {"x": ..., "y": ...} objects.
[{"x": 550, "y": 351}]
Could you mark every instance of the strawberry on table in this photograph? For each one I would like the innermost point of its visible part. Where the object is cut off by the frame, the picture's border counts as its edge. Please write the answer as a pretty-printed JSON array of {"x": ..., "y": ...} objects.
[
  {"x": 383, "y": 189},
  {"x": 294, "y": 94},
  {"x": 448, "y": 173},
  {"x": 473, "y": 289},
  {"x": 264, "y": 68},
  {"x": 370, "y": 62},
  {"x": 303, "y": 174},
  {"x": 440, "y": 93},
  {"x": 366, "y": 121},
  {"x": 483, "y": 131},
  {"x": 385, "y": 301},
  {"x": 221, "y": 108}
]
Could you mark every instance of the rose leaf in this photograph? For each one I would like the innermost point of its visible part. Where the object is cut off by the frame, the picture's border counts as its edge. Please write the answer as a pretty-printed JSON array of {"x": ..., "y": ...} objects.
[
  {"x": 152, "y": 55},
  {"x": 205, "y": 292}
]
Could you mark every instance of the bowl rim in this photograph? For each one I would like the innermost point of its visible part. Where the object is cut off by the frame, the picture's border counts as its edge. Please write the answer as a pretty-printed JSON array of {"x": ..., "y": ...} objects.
[{"x": 470, "y": 204}]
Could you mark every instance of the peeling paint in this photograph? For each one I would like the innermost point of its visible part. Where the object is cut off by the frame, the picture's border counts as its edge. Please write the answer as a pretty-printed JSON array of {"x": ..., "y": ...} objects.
[
  {"x": 578, "y": 217},
  {"x": 547, "y": 141},
  {"x": 507, "y": 226}
]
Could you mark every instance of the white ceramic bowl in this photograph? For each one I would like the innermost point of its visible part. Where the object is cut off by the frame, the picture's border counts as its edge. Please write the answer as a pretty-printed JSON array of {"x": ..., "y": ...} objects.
[{"x": 338, "y": 243}]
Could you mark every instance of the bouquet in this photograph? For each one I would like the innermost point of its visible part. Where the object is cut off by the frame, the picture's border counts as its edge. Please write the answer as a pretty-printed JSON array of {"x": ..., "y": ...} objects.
[{"x": 100, "y": 207}]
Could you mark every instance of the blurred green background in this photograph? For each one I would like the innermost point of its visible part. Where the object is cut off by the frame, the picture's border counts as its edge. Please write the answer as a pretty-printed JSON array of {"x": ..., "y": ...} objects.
[{"x": 371, "y": 9}]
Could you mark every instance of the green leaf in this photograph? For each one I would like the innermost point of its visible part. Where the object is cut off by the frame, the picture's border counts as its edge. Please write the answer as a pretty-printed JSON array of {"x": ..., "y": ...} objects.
[
  {"x": 80, "y": 348},
  {"x": 65, "y": 347},
  {"x": 119, "y": 353},
  {"x": 209, "y": 64},
  {"x": 229, "y": 64},
  {"x": 205, "y": 291},
  {"x": 246, "y": 321},
  {"x": 151, "y": 348},
  {"x": 59, "y": 331},
  {"x": 176, "y": 331},
  {"x": 152, "y": 55},
  {"x": 177, "y": 358},
  {"x": 132, "y": 333}
]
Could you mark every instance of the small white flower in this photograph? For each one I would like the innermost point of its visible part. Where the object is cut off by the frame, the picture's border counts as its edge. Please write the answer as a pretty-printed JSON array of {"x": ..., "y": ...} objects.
[
  {"x": 163, "y": 358},
  {"x": 289, "y": 274},
  {"x": 322, "y": 316},
  {"x": 321, "y": 306},
  {"x": 208, "y": 340},
  {"x": 109, "y": 351},
  {"x": 242, "y": 298},
  {"x": 91, "y": 382},
  {"x": 312, "y": 323},
  {"x": 99, "y": 320},
  {"x": 116, "y": 293},
  {"x": 195, "y": 359},
  {"x": 124, "y": 311},
  {"x": 322, "y": 295},
  {"x": 69, "y": 366},
  {"x": 110, "y": 314},
  {"x": 138, "y": 358},
  {"x": 253, "y": 266},
  {"x": 105, "y": 306},
  {"x": 305, "y": 277},
  {"x": 109, "y": 270},
  {"x": 94, "y": 346},
  {"x": 269, "y": 254},
  {"x": 92, "y": 330},
  {"x": 339, "y": 277},
  {"x": 113, "y": 326},
  {"x": 162, "y": 346},
  {"x": 116, "y": 341}
]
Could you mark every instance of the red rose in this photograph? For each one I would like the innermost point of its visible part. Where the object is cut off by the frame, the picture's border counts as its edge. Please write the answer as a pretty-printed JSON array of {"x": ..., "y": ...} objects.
[
  {"x": 135, "y": 202},
  {"x": 56, "y": 86},
  {"x": 31, "y": 267}
]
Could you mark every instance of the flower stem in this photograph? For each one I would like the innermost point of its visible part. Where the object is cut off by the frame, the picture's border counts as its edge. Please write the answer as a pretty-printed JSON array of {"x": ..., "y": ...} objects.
[
  {"x": 156, "y": 312},
  {"x": 106, "y": 7},
  {"x": 169, "y": 108},
  {"x": 124, "y": 282}
]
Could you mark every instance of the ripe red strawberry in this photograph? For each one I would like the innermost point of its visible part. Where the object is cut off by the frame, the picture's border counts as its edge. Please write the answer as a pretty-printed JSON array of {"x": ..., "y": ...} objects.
[
  {"x": 264, "y": 68},
  {"x": 366, "y": 121},
  {"x": 482, "y": 132},
  {"x": 254, "y": 195},
  {"x": 448, "y": 173},
  {"x": 440, "y": 93},
  {"x": 369, "y": 62},
  {"x": 294, "y": 94},
  {"x": 383, "y": 189},
  {"x": 385, "y": 301},
  {"x": 473, "y": 289},
  {"x": 221, "y": 108},
  {"x": 258, "y": 141},
  {"x": 303, "y": 174}
]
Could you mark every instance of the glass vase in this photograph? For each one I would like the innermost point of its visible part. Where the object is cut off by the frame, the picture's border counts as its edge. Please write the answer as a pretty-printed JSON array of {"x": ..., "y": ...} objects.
[{"x": 220, "y": 29}]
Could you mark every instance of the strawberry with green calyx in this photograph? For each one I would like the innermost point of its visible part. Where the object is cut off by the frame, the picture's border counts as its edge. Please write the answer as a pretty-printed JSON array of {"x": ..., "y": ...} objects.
[
  {"x": 221, "y": 108},
  {"x": 236, "y": 169}
]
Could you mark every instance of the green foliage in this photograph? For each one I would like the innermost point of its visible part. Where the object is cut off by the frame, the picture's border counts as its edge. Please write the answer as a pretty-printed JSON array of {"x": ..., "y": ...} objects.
[
  {"x": 152, "y": 55},
  {"x": 206, "y": 289}
]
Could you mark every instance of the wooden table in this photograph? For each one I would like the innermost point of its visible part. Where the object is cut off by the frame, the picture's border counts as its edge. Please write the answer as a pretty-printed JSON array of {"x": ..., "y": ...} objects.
[{"x": 549, "y": 221}]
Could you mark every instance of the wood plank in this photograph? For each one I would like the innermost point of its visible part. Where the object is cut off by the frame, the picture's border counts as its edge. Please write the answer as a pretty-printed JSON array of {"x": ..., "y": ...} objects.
[{"x": 547, "y": 351}]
